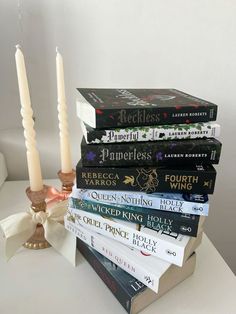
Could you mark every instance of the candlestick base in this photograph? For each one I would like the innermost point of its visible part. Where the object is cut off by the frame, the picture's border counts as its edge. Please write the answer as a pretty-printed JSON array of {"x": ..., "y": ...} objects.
[
  {"x": 67, "y": 180},
  {"x": 37, "y": 241}
]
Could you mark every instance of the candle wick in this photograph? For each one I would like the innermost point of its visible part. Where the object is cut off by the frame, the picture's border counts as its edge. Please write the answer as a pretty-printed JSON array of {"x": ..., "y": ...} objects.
[
  {"x": 18, "y": 47},
  {"x": 57, "y": 51}
]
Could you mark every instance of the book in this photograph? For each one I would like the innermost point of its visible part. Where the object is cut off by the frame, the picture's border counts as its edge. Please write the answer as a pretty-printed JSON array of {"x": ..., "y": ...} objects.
[
  {"x": 151, "y": 133},
  {"x": 176, "y": 152},
  {"x": 132, "y": 294},
  {"x": 171, "y": 247},
  {"x": 146, "y": 268},
  {"x": 195, "y": 204},
  {"x": 101, "y": 108},
  {"x": 186, "y": 224},
  {"x": 195, "y": 179}
]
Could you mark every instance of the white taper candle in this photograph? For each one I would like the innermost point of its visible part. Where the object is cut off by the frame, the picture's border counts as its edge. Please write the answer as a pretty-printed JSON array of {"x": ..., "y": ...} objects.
[
  {"x": 66, "y": 163},
  {"x": 34, "y": 169}
]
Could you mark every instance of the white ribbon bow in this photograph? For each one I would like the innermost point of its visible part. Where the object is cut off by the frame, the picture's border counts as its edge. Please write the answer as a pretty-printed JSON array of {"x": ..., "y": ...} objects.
[{"x": 18, "y": 228}]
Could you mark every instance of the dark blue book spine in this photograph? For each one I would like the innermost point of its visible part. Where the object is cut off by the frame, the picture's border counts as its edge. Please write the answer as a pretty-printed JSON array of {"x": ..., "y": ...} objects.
[{"x": 109, "y": 277}]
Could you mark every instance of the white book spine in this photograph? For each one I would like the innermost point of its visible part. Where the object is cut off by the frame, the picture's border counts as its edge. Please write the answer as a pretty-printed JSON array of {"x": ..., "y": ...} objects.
[
  {"x": 106, "y": 249},
  {"x": 165, "y": 202},
  {"x": 149, "y": 244},
  {"x": 157, "y": 133}
]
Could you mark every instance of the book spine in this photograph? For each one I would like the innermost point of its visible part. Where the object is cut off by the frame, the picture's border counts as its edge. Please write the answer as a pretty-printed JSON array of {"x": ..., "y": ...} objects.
[
  {"x": 149, "y": 244},
  {"x": 127, "y": 264},
  {"x": 205, "y": 151},
  {"x": 193, "y": 204},
  {"x": 155, "y": 116},
  {"x": 153, "y": 133},
  {"x": 114, "y": 286},
  {"x": 149, "y": 180},
  {"x": 153, "y": 219}
]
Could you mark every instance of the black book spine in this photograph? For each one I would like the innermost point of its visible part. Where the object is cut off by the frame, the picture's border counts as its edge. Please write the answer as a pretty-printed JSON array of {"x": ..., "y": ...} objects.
[
  {"x": 193, "y": 180},
  {"x": 153, "y": 219},
  {"x": 109, "y": 118},
  {"x": 180, "y": 152},
  {"x": 114, "y": 286}
]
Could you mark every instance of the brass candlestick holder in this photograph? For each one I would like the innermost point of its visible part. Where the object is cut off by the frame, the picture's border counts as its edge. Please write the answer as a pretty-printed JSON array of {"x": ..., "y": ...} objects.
[
  {"x": 38, "y": 203},
  {"x": 67, "y": 180},
  {"x": 37, "y": 241}
]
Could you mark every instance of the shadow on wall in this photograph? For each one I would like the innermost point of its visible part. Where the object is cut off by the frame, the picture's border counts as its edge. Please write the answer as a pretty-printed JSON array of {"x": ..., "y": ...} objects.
[
  {"x": 3, "y": 169},
  {"x": 40, "y": 66},
  {"x": 12, "y": 145}
]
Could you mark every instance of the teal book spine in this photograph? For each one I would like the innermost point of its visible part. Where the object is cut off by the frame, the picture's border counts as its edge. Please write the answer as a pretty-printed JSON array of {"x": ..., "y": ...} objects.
[{"x": 154, "y": 219}]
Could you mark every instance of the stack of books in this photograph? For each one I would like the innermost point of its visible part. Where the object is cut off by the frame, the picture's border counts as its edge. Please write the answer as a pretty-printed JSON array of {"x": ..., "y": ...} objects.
[{"x": 142, "y": 185}]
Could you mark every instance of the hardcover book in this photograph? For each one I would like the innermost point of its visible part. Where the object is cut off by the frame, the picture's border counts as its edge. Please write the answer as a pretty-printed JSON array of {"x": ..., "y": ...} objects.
[
  {"x": 101, "y": 108},
  {"x": 198, "y": 179},
  {"x": 194, "y": 204},
  {"x": 171, "y": 247},
  {"x": 132, "y": 294},
  {"x": 154, "y": 219},
  {"x": 146, "y": 268},
  {"x": 151, "y": 133},
  {"x": 171, "y": 202},
  {"x": 176, "y": 152}
]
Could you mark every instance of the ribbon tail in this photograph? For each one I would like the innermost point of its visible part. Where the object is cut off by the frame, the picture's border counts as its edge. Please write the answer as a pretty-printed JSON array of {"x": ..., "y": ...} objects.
[
  {"x": 13, "y": 243},
  {"x": 61, "y": 240},
  {"x": 58, "y": 211},
  {"x": 54, "y": 196},
  {"x": 17, "y": 230}
]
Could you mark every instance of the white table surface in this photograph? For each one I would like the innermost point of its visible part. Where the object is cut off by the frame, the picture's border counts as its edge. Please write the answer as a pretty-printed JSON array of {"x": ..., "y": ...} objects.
[{"x": 43, "y": 282}]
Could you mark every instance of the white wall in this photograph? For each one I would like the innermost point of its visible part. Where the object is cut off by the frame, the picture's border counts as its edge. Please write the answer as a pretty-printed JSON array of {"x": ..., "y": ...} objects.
[{"x": 185, "y": 44}]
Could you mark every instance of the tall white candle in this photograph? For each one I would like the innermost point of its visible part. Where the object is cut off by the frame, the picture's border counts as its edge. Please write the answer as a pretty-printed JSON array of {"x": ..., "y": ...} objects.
[
  {"x": 66, "y": 163},
  {"x": 34, "y": 169}
]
